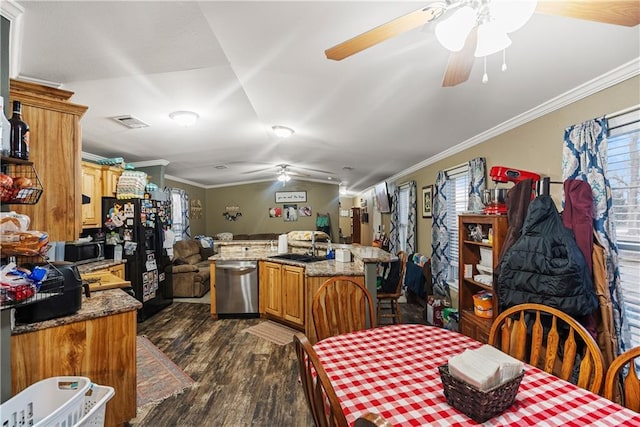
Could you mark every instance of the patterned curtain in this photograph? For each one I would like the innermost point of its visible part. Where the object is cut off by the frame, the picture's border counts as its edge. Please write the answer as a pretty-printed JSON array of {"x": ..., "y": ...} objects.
[
  {"x": 440, "y": 237},
  {"x": 412, "y": 225},
  {"x": 180, "y": 213},
  {"x": 584, "y": 157},
  {"x": 477, "y": 183},
  {"x": 394, "y": 243}
]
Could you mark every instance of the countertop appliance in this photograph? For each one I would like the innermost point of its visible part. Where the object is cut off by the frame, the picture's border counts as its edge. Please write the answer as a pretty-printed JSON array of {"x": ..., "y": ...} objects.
[
  {"x": 140, "y": 225},
  {"x": 237, "y": 288},
  {"x": 495, "y": 199},
  {"x": 81, "y": 252},
  {"x": 65, "y": 304}
]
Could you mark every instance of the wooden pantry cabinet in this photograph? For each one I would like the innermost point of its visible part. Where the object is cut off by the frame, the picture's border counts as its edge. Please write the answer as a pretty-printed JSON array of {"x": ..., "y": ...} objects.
[
  {"x": 470, "y": 254},
  {"x": 282, "y": 292},
  {"x": 55, "y": 145}
]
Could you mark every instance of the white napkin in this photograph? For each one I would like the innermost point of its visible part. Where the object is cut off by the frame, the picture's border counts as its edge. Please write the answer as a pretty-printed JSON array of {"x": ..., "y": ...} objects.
[{"x": 485, "y": 367}]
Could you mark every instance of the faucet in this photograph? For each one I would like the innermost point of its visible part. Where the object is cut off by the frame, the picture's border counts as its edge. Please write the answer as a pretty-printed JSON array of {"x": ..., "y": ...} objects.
[{"x": 313, "y": 243}]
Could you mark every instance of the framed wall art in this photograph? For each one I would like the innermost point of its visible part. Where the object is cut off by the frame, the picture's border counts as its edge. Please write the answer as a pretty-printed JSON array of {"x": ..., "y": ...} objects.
[
  {"x": 291, "y": 196},
  {"x": 427, "y": 201}
]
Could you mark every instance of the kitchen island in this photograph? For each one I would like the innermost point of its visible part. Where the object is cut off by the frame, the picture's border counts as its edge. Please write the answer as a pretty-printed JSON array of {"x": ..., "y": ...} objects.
[
  {"x": 286, "y": 287},
  {"x": 98, "y": 342}
]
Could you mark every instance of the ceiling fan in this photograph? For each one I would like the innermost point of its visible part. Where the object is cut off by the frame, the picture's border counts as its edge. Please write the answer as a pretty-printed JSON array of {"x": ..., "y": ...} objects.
[
  {"x": 472, "y": 22},
  {"x": 286, "y": 170}
]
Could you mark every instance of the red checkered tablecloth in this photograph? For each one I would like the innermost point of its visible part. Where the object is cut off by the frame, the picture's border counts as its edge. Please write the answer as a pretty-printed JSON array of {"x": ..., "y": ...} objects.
[{"x": 393, "y": 371}]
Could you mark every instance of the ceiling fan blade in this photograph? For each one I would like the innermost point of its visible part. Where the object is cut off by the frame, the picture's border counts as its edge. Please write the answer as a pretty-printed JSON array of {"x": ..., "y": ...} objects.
[
  {"x": 460, "y": 63},
  {"x": 385, "y": 31},
  {"x": 620, "y": 12}
]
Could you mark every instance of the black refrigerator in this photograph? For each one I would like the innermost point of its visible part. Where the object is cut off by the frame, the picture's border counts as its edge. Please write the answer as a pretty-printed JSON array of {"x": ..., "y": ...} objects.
[{"x": 140, "y": 225}]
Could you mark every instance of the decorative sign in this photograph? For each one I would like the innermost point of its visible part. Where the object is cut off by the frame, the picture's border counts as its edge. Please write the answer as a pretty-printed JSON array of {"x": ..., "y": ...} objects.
[
  {"x": 427, "y": 201},
  {"x": 291, "y": 196}
]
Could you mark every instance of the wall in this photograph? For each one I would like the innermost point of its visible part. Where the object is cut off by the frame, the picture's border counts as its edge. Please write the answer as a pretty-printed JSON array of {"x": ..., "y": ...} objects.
[
  {"x": 346, "y": 203},
  {"x": 535, "y": 146},
  {"x": 255, "y": 200},
  {"x": 197, "y": 225}
]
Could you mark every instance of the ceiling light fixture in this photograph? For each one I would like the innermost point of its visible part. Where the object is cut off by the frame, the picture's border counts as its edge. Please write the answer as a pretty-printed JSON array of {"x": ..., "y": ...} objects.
[
  {"x": 494, "y": 19},
  {"x": 184, "y": 118},
  {"x": 282, "y": 131},
  {"x": 284, "y": 177}
]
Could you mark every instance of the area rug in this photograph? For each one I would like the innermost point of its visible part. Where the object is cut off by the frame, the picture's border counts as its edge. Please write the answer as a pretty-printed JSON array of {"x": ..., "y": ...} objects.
[
  {"x": 158, "y": 377},
  {"x": 272, "y": 331}
]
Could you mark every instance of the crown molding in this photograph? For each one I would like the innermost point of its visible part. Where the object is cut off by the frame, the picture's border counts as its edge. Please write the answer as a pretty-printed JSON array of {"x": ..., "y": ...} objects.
[
  {"x": 91, "y": 157},
  {"x": 611, "y": 78},
  {"x": 148, "y": 163}
]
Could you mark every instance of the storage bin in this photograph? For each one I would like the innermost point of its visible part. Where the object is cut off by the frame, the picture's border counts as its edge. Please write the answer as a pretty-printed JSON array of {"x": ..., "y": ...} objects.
[
  {"x": 95, "y": 405},
  {"x": 483, "y": 305},
  {"x": 49, "y": 402}
]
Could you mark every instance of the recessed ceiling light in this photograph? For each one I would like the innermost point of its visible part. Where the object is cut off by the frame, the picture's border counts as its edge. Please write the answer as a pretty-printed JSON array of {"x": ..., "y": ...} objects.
[
  {"x": 282, "y": 131},
  {"x": 184, "y": 118}
]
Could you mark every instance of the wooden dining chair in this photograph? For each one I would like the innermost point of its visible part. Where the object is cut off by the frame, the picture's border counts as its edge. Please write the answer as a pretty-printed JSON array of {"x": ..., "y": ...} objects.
[
  {"x": 511, "y": 334},
  {"x": 388, "y": 306},
  {"x": 341, "y": 305},
  {"x": 321, "y": 397},
  {"x": 630, "y": 383}
]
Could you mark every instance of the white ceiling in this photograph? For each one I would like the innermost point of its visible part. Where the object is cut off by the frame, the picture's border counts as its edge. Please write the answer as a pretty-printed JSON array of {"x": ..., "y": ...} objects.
[{"x": 245, "y": 66}]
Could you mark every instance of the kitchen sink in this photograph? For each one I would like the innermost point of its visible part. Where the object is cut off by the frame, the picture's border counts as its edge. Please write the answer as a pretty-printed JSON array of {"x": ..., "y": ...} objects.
[{"x": 300, "y": 257}]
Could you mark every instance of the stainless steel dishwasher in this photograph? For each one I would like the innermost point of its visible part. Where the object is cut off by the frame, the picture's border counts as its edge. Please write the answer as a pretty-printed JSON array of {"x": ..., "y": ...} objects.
[{"x": 237, "y": 288}]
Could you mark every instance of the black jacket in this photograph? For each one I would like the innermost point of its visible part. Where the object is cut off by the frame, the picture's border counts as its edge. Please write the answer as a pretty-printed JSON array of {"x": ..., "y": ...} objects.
[{"x": 545, "y": 265}]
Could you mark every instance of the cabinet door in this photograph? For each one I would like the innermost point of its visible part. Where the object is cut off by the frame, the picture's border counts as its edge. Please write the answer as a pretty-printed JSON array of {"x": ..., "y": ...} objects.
[
  {"x": 293, "y": 294},
  {"x": 110, "y": 176},
  {"x": 92, "y": 187},
  {"x": 272, "y": 285}
]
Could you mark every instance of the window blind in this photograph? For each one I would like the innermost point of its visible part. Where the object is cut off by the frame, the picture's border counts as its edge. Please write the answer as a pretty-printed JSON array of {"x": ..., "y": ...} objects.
[
  {"x": 623, "y": 171},
  {"x": 457, "y": 199}
]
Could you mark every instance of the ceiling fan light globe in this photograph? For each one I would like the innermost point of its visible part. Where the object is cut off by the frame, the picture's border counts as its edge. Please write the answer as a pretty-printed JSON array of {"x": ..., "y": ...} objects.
[
  {"x": 283, "y": 177},
  {"x": 512, "y": 15},
  {"x": 491, "y": 39},
  {"x": 282, "y": 131},
  {"x": 452, "y": 32}
]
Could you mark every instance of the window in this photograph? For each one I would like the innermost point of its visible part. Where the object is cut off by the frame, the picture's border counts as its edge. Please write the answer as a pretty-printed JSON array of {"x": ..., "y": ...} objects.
[
  {"x": 179, "y": 212},
  {"x": 403, "y": 217},
  {"x": 457, "y": 194},
  {"x": 624, "y": 176}
]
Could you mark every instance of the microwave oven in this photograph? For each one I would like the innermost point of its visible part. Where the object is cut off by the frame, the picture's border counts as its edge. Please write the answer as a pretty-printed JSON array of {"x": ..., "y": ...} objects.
[{"x": 83, "y": 252}]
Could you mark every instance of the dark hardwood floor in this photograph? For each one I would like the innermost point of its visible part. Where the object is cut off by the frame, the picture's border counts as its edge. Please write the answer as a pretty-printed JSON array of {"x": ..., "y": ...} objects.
[{"x": 242, "y": 380}]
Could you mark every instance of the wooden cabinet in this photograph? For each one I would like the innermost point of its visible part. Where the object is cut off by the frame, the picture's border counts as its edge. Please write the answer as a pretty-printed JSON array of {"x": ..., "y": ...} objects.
[
  {"x": 117, "y": 270},
  {"x": 282, "y": 292},
  {"x": 92, "y": 187},
  {"x": 470, "y": 255},
  {"x": 102, "y": 349},
  {"x": 55, "y": 144}
]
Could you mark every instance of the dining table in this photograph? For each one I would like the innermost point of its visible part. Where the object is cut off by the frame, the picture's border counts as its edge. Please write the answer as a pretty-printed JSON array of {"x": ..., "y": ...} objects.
[{"x": 393, "y": 371}]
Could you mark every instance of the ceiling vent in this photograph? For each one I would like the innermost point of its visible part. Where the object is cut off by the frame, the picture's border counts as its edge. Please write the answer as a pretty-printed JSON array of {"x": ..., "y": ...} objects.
[{"x": 130, "y": 122}]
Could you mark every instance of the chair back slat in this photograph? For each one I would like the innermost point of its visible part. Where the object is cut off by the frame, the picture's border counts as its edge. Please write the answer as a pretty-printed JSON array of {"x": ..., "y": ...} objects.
[
  {"x": 520, "y": 333},
  {"x": 632, "y": 389},
  {"x": 549, "y": 328},
  {"x": 536, "y": 340},
  {"x": 553, "y": 342}
]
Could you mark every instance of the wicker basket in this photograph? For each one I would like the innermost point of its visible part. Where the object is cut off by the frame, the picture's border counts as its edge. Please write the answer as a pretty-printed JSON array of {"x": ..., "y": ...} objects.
[{"x": 476, "y": 404}]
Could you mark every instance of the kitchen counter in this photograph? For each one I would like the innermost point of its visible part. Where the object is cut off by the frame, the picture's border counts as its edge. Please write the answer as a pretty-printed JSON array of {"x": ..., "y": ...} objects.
[
  {"x": 103, "y": 303},
  {"x": 98, "y": 265}
]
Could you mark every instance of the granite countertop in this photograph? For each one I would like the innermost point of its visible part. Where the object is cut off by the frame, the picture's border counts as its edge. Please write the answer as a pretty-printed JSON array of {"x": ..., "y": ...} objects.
[
  {"x": 98, "y": 265},
  {"x": 362, "y": 255},
  {"x": 101, "y": 304}
]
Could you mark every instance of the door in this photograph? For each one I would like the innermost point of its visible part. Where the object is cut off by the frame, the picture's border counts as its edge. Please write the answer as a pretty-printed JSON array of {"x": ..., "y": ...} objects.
[{"x": 355, "y": 225}]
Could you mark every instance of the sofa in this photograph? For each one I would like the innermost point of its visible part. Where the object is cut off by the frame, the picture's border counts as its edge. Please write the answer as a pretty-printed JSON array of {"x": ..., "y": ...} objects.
[{"x": 189, "y": 270}]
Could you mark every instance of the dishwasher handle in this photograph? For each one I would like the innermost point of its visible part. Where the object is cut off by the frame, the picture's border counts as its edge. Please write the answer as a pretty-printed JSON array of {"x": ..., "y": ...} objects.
[{"x": 235, "y": 268}]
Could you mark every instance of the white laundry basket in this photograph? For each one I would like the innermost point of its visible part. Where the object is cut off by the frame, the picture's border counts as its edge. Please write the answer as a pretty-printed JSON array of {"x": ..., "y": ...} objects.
[
  {"x": 55, "y": 401},
  {"x": 95, "y": 405}
]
